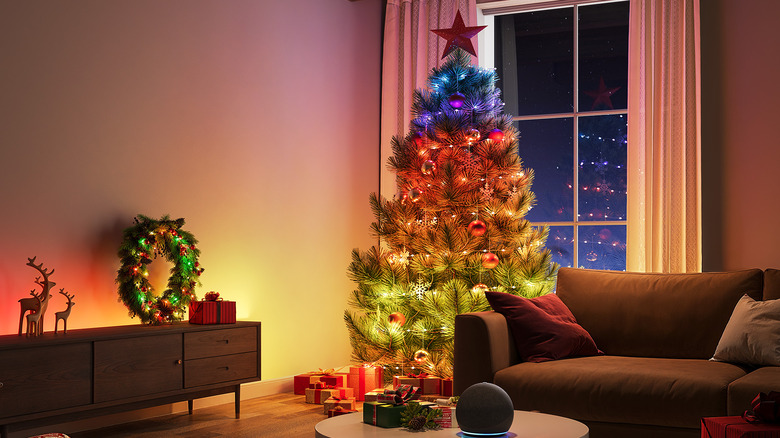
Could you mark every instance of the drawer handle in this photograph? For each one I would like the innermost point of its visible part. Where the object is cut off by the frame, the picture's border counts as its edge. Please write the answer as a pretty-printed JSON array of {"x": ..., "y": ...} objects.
[
  {"x": 1, "y": 385},
  {"x": 223, "y": 368},
  {"x": 227, "y": 341}
]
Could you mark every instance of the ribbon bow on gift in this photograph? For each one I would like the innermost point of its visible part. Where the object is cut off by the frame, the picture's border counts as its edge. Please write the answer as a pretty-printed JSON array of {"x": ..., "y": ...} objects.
[
  {"x": 422, "y": 375},
  {"x": 400, "y": 396},
  {"x": 766, "y": 408}
]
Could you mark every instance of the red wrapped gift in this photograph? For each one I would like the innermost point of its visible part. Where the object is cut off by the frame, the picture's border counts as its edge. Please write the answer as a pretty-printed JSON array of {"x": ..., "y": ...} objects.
[
  {"x": 302, "y": 381},
  {"x": 328, "y": 377},
  {"x": 363, "y": 379},
  {"x": 446, "y": 387},
  {"x": 448, "y": 418},
  {"x": 342, "y": 402},
  {"x": 737, "y": 427},
  {"x": 213, "y": 312},
  {"x": 318, "y": 396},
  {"x": 430, "y": 385}
]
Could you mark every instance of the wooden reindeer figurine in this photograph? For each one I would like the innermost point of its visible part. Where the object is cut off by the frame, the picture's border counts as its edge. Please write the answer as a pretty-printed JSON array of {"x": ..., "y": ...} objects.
[
  {"x": 39, "y": 303},
  {"x": 65, "y": 313},
  {"x": 34, "y": 318}
]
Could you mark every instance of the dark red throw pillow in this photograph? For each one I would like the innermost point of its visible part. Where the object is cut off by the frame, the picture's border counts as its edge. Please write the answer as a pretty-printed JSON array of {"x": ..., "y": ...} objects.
[{"x": 543, "y": 327}]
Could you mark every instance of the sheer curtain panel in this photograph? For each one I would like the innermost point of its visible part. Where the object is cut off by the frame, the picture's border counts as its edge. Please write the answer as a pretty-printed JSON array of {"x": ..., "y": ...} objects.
[{"x": 664, "y": 137}]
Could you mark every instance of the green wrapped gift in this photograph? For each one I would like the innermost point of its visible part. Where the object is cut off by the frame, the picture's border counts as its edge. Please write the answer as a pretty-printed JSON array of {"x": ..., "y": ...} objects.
[{"x": 382, "y": 414}]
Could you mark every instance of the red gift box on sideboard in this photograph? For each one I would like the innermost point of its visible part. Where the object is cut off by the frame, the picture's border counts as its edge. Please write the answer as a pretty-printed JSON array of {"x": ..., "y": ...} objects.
[
  {"x": 737, "y": 427},
  {"x": 213, "y": 312}
]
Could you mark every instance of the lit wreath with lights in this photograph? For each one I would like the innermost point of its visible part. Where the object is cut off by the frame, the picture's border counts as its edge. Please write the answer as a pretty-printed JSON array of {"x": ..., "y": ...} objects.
[{"x": 144, "y": 241}]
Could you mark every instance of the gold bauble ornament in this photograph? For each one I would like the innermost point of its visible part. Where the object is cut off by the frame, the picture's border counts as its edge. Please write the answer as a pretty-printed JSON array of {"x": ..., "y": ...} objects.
[{"x": 420, "y": 356}]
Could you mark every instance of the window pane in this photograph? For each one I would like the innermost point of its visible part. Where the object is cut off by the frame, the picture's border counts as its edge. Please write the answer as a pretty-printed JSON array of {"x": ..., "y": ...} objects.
[
  {"x": 602, "y": 247},
  {"x": 534, "y": 54},
  {"x": 546, "y": 146},
  {"x": 603, "y": 56},
  {"x": 560, "y": 242},
  {"x": 602, "y": 168}
]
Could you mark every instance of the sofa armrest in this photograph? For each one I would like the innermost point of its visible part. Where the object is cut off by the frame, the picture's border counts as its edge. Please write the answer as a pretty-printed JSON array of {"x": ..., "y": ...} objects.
[{"x": 483, "y": 346}]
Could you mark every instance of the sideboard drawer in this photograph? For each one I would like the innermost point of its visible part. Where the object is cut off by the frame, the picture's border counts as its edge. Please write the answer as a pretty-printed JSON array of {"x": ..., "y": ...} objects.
[
  {"x": 137, "y": 366},
  {"x": 43, "y": 379},
  {"x": 210, "y": 343},
  {"x": 198, "y": 372}
]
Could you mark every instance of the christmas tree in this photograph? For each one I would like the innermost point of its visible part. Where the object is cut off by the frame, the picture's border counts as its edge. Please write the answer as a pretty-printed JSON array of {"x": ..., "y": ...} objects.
[{"x": 455, "y": 229}]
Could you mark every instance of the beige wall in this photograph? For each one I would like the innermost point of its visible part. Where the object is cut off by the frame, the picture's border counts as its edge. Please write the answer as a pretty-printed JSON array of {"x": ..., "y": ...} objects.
[
  {"x": 256, "y": 121},
  {"x": 740, "y": 146}
]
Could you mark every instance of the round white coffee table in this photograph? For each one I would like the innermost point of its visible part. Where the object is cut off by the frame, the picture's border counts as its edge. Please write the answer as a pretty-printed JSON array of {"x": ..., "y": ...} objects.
[{"x": 525, "y": 425}]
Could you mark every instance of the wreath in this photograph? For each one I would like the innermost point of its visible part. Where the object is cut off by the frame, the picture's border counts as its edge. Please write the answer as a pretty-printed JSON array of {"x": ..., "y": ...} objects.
[{"x": 144, "y": 241}]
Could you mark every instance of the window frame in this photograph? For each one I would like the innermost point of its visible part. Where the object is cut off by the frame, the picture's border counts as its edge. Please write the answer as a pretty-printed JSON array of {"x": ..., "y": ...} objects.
[{"x": 486, "y": 42}]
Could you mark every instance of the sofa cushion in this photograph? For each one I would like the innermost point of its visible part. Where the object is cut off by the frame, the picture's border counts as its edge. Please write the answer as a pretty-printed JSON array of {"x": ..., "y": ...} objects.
[
  {"x": 634, "y": 390},
  {"x": 771, "y": 284},
  {"x": 752, "y": 335},
  {"x": 542, "y": 327},
  {"x": 743, "y": 390},
  {"x": 655, "y": 315}
]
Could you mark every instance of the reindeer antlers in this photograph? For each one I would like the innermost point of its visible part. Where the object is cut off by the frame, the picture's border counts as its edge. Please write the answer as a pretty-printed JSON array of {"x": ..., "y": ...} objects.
[
  {"x": 44, "y": 271},
  {"x": 69, "y": 297}
]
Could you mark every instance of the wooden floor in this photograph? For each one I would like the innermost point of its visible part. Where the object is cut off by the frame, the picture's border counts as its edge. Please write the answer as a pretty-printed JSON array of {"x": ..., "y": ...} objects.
[{"x": 275, "y": 416}]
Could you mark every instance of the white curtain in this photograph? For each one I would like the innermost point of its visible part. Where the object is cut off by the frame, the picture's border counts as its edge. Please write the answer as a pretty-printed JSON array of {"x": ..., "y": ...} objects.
[
  {"x": 410, "y": 51},
  {"x": 664, "y": 135}
]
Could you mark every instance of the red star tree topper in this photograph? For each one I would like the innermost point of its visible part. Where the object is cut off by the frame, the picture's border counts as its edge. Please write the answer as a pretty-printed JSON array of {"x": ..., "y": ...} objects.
[{"x": 458, "y": 36}]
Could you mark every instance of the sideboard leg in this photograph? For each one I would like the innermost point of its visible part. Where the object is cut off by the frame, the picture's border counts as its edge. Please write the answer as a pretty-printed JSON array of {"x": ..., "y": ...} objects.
[
  {"x": 189, "y": 406},
  {"x": 4, "y": 431},
  {"x": 238, "y": 401}
]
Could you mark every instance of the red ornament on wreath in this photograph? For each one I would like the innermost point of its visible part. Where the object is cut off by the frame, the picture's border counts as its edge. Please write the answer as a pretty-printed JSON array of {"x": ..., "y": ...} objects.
[
  {"x": 489, "y": 260},
  {"x": 396, "y": 318},
  {"x": 477, "y": 228},
  {"x": 496, "y": 135}
]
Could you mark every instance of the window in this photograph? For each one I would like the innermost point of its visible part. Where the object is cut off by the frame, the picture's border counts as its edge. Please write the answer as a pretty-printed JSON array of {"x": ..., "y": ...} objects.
[{"x": 564, "y": 79}]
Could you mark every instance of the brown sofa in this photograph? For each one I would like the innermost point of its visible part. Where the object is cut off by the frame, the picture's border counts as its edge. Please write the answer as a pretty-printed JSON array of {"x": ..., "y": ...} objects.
[{"x": 658, "y": 332}]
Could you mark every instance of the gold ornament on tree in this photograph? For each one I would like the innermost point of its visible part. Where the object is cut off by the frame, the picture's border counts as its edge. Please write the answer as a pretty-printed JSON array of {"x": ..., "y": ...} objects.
[{"x": 421, "y": 356}]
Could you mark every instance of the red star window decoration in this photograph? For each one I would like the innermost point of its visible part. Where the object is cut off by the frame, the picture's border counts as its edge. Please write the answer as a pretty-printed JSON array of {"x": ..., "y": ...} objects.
[{"x": 602, "y": 96}]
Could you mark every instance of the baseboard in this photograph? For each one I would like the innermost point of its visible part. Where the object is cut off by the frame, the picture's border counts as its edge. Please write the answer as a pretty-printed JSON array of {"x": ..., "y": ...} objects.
[{"x": 248, "y": 391}]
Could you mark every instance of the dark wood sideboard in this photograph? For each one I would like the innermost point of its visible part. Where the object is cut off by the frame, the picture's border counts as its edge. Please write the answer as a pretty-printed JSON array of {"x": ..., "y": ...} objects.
[{"x": 57, "y": 378}]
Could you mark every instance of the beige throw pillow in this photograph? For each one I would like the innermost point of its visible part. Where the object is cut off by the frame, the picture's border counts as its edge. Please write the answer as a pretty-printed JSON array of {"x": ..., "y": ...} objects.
[{"x": 752, "y": 335}]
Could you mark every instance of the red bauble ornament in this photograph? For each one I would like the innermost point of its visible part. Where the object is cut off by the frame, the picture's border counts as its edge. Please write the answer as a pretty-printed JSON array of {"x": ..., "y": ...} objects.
[
  {"x": 396, "y": 318},
  {"x": 489, "y": 260},
  {"x": 415, "y": 194},
  {"x": 417, "y": 138},
  {"x": 456, "y": 100},
  {"x": 428, "y": 167},
  {"x": 496, "y": 135},
  {"x": 477, "y": 228}
]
